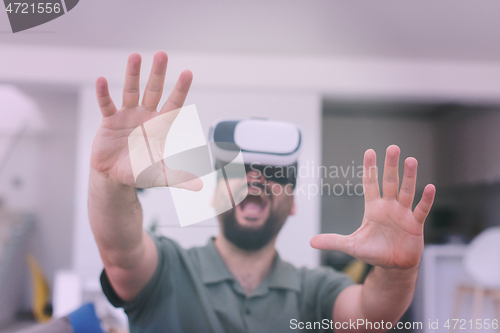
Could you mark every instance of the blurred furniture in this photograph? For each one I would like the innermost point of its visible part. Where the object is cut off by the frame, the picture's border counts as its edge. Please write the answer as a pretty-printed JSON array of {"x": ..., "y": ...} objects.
[
  {"x": 357, "y": 270},
  {"x": 441, "y": 271},
  {"x": 40, "y": 292},
  {"x": 72, "y": 290},
  {"x": 82, "y": 320},
  {"x": 15, "y": 230},
  {"x": 482, "y": 264}
]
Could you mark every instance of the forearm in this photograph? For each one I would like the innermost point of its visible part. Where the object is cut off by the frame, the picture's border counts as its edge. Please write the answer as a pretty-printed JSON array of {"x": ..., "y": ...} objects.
[
  {"x": 385, "y": 296},
  {"x": 115, "y": 216},
  {"x": 387, "y": 293}
]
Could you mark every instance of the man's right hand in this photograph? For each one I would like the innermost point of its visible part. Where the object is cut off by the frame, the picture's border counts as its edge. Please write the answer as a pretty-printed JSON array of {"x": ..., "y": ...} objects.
[
  {"x": 129, "y": 254},
  {"x": 110, "y": 151}
]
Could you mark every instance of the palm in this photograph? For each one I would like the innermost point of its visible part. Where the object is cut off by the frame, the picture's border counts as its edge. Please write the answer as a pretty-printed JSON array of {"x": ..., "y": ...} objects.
[
  {"x": 391, "y": 234},
  {"x": 388, "y": 236},
  {"x": 110, "y": 153},
  {"x": 110, "y": 149}
]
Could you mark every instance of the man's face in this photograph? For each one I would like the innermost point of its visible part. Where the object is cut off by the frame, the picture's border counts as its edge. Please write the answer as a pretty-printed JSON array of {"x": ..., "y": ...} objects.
[{"x": 256, "y": 221}]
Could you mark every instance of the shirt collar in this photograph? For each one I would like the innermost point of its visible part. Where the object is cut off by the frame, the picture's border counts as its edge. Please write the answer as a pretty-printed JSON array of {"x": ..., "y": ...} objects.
[
  {"x": 213, "y": 269},
  {"x": 283, "y": 275}
]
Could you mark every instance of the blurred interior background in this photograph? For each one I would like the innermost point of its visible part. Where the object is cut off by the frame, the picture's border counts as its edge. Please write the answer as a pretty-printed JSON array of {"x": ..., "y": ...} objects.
[{"x": 352, "y": 74}]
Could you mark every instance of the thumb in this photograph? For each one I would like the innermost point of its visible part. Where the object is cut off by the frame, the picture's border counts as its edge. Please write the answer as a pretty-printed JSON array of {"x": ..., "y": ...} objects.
[
  {"x": 332, "y": 242},
  {"x": 184, "y": 179}
]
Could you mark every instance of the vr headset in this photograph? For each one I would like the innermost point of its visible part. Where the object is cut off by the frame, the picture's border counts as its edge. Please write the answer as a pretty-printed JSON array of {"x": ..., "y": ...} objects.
[{"x": 268, "y": 147}]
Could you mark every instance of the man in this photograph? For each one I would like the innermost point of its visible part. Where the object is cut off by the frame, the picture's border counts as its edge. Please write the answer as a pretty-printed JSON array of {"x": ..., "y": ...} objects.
[{"x": 228, "y": 286}]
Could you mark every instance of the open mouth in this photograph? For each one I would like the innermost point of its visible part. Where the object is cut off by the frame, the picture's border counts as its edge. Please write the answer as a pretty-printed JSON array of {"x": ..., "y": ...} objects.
[{"x": 254, "y": 207}]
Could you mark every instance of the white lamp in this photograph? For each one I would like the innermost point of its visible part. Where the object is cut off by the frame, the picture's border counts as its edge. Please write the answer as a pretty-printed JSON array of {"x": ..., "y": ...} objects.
[{"x": 19, "y": 116}]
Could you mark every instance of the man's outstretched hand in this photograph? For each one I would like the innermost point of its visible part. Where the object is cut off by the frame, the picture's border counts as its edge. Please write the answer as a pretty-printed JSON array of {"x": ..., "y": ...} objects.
[
  {"x": 391, "y": 234},
  {"x": 110, "y": 149}
]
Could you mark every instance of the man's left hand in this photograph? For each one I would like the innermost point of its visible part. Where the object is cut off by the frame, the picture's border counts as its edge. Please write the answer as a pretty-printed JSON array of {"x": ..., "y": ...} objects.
[{"x": 391, "y": 234}]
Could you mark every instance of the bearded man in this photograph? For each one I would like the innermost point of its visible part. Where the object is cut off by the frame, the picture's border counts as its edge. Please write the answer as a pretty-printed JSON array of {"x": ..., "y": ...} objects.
[{"x": 237, "y": 281}]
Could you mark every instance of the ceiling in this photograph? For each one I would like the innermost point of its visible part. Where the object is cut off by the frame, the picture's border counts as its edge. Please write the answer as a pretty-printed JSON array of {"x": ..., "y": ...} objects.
[{"x": 424, "y": 29}]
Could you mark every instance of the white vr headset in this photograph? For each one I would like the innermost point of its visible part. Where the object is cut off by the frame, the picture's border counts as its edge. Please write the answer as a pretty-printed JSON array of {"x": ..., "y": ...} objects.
[{"x": 261, "y": 141}]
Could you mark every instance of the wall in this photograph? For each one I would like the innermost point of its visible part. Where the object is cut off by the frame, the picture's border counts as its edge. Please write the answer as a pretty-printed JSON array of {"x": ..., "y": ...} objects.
[
  {"x": 39, "y": 178},
  {"x": 457, "y": 150},
  {"x": 468, "y": 145},
  {"x": 468, "y": 173},
  {"x": 346, "y": 136}
]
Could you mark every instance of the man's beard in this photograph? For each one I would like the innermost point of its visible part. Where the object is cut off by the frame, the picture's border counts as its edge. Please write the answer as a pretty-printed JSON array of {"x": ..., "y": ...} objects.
[
  {"x": 253, "y": 239},
  {"x": 248, "y": 238}
]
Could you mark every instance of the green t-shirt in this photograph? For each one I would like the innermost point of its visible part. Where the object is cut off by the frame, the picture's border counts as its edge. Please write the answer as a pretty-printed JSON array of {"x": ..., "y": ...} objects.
[{"x": 193, "y": 291}]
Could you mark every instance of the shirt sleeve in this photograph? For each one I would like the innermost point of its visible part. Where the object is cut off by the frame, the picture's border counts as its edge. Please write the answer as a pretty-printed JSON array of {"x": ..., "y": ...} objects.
[
  {"x": 322, "y": 287},
  {"x": 158, "y": 287}
]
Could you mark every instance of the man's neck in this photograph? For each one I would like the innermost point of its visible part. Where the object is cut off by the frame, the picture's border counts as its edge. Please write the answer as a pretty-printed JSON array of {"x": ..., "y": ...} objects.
[{"x": 249, "y": 267}]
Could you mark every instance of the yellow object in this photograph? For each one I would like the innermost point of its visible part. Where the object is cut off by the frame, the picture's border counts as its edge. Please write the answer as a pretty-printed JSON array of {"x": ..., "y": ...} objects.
[
  {"x": 356, "y": 270},
  {"x": 40, "y": 290}
]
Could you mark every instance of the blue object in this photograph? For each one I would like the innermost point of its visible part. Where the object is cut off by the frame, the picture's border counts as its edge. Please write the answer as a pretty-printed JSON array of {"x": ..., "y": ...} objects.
[{"x": 84, "y": 320}]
